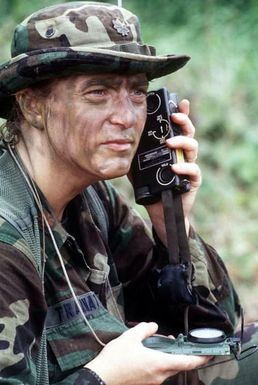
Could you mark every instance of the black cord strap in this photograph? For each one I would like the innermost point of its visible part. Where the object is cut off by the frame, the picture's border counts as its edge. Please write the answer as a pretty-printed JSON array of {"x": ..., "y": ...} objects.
[
  {"x": 178, "y": 248},
  {"x": 171, "y": 228}
]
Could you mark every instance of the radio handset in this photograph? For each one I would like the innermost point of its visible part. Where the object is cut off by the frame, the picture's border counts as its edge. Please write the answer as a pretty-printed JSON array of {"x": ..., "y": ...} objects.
[{"x": 151, "y": 166}]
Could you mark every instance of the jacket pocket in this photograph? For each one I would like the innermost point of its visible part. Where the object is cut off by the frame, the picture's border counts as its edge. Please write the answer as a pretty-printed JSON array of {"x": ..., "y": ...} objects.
[{"x": 72, "y": 340}]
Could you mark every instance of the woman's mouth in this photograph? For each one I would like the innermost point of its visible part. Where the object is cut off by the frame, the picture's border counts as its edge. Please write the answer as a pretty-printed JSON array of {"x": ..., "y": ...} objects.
[{"x": 119, "y": 145}]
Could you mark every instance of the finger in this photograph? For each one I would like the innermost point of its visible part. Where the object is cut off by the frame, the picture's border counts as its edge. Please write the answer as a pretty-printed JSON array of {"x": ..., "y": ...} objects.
[
  {"x": 184, "y": 363},
  {"x": 184, "y": 106},
  {"x": 192, "y": 170},
  {"x": 188, "y": 145},
  {"x": 184, "y": 122},
  {"x": 141, "y": 331},
  {"x": 171, "y": 337}
]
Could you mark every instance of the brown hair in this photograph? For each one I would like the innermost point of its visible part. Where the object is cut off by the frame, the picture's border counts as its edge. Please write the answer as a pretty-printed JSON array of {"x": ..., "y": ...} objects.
[{"x": 10, "y": 129}]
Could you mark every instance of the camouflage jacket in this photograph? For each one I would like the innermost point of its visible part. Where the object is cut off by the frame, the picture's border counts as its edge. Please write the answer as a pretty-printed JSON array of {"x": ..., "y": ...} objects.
[{"x": 109, "y": 266}]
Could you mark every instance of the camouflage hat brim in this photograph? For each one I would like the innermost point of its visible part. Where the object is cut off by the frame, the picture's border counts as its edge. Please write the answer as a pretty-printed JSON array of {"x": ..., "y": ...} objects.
[{"x": 27, "y": 69}]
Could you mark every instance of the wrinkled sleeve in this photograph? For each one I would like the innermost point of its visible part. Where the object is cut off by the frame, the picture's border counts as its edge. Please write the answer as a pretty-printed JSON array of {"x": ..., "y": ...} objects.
[
  {"x": 211, "y": 278},
  {"x": 22, "y": 312}
]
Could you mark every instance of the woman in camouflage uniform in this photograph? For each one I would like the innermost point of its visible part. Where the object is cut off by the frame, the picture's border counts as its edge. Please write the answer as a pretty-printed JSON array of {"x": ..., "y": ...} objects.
[{"x": 76, "y": 260}]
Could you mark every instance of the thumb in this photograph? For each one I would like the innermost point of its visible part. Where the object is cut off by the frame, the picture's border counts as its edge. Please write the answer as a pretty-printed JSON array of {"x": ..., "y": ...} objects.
[{"x": 141, "y": 331}]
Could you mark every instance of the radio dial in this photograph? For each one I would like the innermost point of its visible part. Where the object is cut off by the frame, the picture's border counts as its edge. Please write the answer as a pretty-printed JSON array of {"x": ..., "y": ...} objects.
[
  {"x": 164, "y": 176},
  {"x": 162, "y": 128},
  {"x": 153, "y": 103}
]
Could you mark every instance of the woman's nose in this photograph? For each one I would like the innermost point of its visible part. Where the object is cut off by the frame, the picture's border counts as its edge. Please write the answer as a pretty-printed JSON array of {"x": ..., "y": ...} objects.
[{"x": 123, "y": 113}]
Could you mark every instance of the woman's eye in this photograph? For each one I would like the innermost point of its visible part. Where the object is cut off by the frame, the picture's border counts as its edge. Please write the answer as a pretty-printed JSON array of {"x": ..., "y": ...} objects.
[
  {"x": 140, "y": 92},
  {"x": 139, "y": 95},
  {"x": 99, "y": 92},
  {"x": 96, "y": 95}
]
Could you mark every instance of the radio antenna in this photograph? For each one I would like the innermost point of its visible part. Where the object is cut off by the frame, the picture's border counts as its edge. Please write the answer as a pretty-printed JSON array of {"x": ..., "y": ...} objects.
[{"x": 119, "y": 3}]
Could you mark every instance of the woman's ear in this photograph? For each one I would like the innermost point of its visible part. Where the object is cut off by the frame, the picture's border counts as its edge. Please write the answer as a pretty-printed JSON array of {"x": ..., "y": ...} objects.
[{"x": 31, "y": 107}]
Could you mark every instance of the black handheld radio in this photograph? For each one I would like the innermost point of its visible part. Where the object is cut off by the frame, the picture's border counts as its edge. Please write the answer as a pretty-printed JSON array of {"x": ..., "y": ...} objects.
[{"x": 151, "y": 171}]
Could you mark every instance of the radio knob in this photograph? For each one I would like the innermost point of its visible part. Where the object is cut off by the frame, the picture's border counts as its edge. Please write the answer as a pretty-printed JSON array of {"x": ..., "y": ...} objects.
[
  {"x": 153, "y": 103},
  {"x": 162, "y": 128},
  {"x": 165, "y": 175}
]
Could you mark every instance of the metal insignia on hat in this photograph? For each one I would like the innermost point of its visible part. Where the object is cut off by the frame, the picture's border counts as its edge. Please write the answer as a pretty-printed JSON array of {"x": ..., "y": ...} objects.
[
  {"x": 120, "y": 27},
  {"x": 50, "y": 31}
]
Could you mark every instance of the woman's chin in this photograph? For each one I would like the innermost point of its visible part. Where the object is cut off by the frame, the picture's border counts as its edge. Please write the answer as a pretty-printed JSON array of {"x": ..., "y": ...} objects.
[{"x": 115, "y": 171}]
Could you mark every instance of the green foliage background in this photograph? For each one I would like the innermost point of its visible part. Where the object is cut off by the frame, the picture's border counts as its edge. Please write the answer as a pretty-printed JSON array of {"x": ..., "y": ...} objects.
[{"x": 221, "y": 82}]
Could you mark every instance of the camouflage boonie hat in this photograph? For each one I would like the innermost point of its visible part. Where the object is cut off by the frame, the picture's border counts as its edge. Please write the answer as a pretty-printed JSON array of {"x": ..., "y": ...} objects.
[{"x": 78, "y": 37}]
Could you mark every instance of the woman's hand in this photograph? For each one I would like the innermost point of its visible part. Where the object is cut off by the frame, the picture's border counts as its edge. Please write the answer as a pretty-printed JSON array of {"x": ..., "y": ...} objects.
[
  {"x": 189, "y": 145},
  {"x": 126, "y": 361}
]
